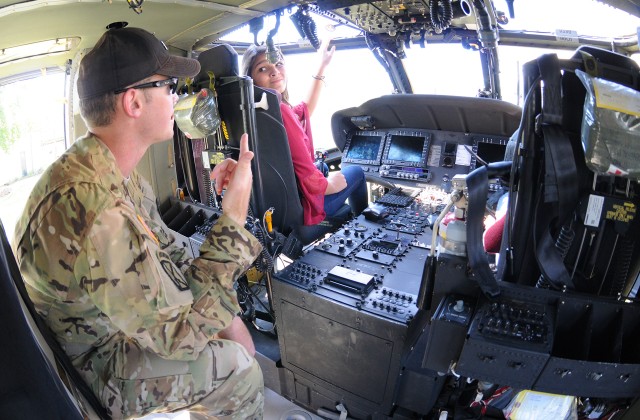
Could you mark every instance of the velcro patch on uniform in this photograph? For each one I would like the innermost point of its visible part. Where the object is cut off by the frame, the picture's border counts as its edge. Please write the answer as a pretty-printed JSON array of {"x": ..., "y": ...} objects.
[{"x": 172, "y": 271}]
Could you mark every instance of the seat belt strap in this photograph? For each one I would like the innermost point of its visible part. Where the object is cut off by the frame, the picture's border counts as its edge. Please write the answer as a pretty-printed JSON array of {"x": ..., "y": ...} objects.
[
  {"x": 560, "y": 179},
  {"x": 478, "y": 187}
]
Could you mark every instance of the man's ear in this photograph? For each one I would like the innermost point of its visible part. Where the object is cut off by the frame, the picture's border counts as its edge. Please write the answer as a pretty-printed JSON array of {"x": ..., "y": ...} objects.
[{"x": 131, "y": 102}]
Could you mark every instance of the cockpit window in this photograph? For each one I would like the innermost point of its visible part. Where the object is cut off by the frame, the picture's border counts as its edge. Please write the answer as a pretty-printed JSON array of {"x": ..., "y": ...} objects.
[
  {"x": 446, "y": 69},
  {"x": 585, "y": 17},
  {"x": 32, "y": 135},
  {"x": 354, "y": 77}
]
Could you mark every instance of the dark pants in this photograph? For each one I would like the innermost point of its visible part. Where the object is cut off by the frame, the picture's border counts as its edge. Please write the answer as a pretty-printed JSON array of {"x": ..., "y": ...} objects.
[{"x": 356, "y": 192}]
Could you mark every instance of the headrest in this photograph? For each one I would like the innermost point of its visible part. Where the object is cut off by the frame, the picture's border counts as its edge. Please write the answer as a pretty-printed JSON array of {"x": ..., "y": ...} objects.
[{"x": 222, "y": 60}]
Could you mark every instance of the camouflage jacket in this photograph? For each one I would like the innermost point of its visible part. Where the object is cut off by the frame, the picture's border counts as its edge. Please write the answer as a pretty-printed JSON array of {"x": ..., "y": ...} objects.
[{"x": 107, "y": 275}]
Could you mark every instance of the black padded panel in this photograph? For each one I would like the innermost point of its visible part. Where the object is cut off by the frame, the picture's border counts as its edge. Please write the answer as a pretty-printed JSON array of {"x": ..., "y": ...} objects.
[
  {"x": 274, "y": 182},
  {"x": 278, "y": 177},
  {"x": 222, "y": 60},
  {"x": 30, "y": 388},
  {"x": 431, "y": 112}
]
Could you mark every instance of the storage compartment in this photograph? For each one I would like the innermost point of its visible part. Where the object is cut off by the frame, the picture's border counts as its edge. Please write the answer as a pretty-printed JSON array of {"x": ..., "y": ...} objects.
[
  {"x": 194, "y": 221},
  {"x": 180, "y": 219},
  {"x": 572, "y": 319}
]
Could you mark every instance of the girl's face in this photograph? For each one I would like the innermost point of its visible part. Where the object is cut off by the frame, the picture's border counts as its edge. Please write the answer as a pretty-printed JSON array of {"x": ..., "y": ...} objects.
[{"x": 268, "y": 75}]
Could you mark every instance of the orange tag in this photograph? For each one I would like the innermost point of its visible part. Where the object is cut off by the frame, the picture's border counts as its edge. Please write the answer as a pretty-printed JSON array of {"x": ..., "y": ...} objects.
[{"x": 149, "y": 231}]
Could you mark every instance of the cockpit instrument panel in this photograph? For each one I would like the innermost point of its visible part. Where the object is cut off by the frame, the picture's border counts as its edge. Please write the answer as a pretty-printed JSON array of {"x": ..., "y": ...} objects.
[
  {"x": 407, "y": 148},
  {"x": 414, "y": 157},
  {"x": 488, "y": 150},
  {"x": 364, "y": 147}
]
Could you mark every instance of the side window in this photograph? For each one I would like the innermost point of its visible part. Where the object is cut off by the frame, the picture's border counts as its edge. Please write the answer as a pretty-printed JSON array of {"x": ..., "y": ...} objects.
[
  {"x": 345, "y": 85},
  {"x": 512, "y": 59},
  {"x": 32, "y": 135}
]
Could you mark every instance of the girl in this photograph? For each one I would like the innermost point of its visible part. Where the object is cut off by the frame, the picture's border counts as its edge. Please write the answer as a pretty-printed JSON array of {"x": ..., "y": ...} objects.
[{"x": 320, "y": 196}]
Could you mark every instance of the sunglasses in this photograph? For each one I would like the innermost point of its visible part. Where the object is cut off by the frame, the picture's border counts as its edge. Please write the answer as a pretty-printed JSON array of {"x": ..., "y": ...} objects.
[{"x": 172, "y": 82}]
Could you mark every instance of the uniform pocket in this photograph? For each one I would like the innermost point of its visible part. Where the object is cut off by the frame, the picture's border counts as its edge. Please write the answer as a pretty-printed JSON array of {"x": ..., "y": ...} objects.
[
  {"x": 136, "y": 397},
  {"x": 164, "y": 284}
]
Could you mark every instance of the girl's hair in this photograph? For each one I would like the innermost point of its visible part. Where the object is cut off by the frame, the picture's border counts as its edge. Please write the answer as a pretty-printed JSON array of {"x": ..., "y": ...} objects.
[{"x": 249, "y": 59}]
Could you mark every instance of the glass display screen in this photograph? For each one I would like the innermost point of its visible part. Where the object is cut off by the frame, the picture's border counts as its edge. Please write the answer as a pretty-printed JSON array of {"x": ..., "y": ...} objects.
[
  {"x": 406, "y": 148},
  {"x": 490, "y": 152},
  {"x": 364, "y": 147}
]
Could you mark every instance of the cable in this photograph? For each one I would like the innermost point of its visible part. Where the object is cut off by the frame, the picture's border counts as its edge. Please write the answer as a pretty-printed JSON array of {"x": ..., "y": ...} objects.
[
  {"x": 441, "y": 14},
  {"x": 272, "y": 53},
  {"x": 624, "y": 257},
  {"x": 264, "y": 262},
  {"x": 267, "y": 310},
  {"x": 208, "y": 188},
  {"x": 306, "y": 26},
  {"x": 245, "y": 297},
  {"x": 181, "y": 143},
  {"x": 563, "y": 243},
  {"x": 267, "y": 225}
]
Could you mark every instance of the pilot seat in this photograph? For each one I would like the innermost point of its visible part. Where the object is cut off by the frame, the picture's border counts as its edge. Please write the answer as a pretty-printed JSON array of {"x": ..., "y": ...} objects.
[{"x": 245, "y": 108}]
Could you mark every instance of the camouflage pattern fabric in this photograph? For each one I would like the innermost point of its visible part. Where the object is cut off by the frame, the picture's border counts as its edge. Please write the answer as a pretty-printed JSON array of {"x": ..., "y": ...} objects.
[{"x": 136, "y": 315}]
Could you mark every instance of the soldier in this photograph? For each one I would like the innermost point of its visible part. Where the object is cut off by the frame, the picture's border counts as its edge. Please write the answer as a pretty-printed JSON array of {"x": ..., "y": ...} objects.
[{"x": 149, "y": 329}]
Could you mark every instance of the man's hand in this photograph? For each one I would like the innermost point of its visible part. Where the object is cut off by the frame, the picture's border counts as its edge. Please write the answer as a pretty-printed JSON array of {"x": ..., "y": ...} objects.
[
  {"x": 239, "y": 333},
  {"x": 236, "y": 177},
  {"x": 336, "y": 183}
]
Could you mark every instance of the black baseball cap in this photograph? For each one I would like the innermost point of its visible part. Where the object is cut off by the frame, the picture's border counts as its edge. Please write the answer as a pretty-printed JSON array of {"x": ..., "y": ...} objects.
[{"x": 124, "y": 56}]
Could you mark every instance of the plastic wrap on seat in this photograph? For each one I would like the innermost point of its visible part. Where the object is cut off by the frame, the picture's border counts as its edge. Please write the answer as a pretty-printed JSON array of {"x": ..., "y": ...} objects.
[{"x": 611, "y": 127}]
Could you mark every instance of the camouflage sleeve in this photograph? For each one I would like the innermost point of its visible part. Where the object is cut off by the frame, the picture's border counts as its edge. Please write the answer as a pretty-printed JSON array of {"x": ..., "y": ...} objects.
[{"x": 165, "y": 310}]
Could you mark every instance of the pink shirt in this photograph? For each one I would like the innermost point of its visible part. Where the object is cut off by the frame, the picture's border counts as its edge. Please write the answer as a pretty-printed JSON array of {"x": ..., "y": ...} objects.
[{"x": 311, "y": 183}]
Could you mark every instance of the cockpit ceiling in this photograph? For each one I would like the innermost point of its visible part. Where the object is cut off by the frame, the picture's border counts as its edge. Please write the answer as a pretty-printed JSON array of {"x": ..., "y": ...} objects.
[
  {"x": 392, "y": 16},
  {"x": 185, "y": 24},
  {"x": 180, "y": 23},
  {"x": 387, "y": 16}
]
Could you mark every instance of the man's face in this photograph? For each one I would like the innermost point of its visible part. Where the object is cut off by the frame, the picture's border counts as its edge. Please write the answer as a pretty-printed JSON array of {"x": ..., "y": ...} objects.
[{"x": 159, "y": 113}]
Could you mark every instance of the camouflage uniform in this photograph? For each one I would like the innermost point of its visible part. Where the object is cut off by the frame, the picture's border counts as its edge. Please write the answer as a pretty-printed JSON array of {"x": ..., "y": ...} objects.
[{"x": 134, "y": 312}]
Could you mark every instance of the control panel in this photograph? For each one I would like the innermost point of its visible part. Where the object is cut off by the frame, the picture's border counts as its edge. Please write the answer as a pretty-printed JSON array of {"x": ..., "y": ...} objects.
[
  {"x": 404, "y": 172},
  {"x": 515, "y": 322},
  {"x": 374, "y": 266}
]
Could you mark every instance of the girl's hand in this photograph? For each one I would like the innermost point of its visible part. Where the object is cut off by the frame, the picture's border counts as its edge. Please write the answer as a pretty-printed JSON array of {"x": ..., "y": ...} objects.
[{"x": 326, "y": 53}]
